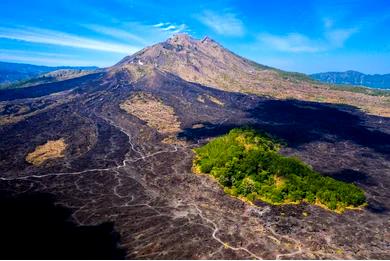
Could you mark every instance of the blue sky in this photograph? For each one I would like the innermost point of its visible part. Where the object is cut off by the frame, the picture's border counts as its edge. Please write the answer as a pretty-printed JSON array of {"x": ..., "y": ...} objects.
[{"x": 304, "y": 36}]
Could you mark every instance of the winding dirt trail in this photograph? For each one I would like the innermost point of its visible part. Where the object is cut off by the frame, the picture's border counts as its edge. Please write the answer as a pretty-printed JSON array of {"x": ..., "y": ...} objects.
[{"x": 142, "y": 157}]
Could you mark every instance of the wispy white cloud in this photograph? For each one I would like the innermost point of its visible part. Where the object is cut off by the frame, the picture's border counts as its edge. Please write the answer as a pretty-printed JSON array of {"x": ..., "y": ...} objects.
[
  {"x": 224, "y": 24},
  {"x": 160, "y": 25},
  {"x": 116, "y": 33},
  {"x": 171, "y": 27},
  {"x": 328, "y": 22},
  {"x": 168, "y": 28},
  {"x": 296, "y": 42},
  {"x": 45, "y": 36},
  {"x": 33, "y": 58},
  {"x": 293, "y": 42},
  {"x": 18, "y": 52},
  {"x": 181, "y": 28},
  {"x": 337, "y": 37},
  {"x": 55, "y": 58}
]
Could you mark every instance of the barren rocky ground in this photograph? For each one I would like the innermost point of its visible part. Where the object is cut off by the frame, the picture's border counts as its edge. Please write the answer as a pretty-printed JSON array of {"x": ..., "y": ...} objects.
[{"x": 118, "y": 176}]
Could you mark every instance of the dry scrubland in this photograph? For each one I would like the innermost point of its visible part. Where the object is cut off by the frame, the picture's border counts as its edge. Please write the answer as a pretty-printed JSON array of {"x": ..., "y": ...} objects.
[{"x": 52, "y": 149}]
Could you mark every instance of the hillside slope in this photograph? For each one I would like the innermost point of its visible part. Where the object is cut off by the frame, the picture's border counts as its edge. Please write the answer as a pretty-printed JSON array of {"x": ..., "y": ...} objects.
[
  {"x": 115, "y": 150},
  {"x": 208, "y": 63},
  {"x": 50, "y": 77},
  {"x": 15, "y": 72}
]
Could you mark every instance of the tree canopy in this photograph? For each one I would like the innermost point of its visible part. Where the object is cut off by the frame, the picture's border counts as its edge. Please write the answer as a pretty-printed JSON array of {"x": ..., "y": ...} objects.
[{"x": 247, "y": 164}]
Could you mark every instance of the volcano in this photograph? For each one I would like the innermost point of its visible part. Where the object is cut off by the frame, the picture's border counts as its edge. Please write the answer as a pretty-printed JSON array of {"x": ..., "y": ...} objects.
[{"x": 115, "y": 147}]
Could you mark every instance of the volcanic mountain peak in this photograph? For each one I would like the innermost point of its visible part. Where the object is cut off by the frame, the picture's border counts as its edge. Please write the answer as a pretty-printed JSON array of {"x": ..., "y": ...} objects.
[
  {"x": 207, "y": 39},
  {"x": 208, "y": 63},
  {"x": 182, "y": 39},
  {"x": 177, "y": 44},
  {"x": 186, "y": 40},
  {"x": 202, "y": 61}
]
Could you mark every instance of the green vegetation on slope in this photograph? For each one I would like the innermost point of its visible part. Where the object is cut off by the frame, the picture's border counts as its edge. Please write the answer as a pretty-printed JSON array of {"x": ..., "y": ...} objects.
[
  {"x": 53, "y": 76},
  {"x": 295, "y": 76},
  {"x": 248, "y": 165},
  {"x": 27, "y": 82},
  {"x": 360, "y": 89}
]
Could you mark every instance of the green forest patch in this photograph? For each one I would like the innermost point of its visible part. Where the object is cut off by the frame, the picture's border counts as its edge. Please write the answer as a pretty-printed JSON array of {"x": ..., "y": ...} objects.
[{"x": 247, "y": 164}]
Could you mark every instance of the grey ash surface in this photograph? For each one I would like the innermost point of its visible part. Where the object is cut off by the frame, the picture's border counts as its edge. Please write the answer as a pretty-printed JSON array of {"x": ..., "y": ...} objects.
[{"x": 117, "y": 171}]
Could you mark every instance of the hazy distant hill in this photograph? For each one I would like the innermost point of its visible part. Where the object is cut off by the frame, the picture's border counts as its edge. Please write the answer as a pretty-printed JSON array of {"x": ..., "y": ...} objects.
[
  {"x": 13, "y": 72},
  {"x": 50, "y": 77},
  {"x": 381, "y": 81}
]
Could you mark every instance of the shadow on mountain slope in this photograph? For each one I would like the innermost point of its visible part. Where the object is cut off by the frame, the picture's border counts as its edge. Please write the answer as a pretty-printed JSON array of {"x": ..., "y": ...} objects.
[
  {"x": 300, "y": 122},
  {"x": 350, "y": 175},
  {"x": 33, "y": 227},
  {"x": 376, "y": 207}
]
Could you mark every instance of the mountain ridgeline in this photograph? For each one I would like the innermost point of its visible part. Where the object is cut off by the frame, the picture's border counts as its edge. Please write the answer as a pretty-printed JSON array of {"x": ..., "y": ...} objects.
[
  {"x": 208, "y": 63},
  {"x": 16, "y": 75},
  {"x": 380, "y": 81}
]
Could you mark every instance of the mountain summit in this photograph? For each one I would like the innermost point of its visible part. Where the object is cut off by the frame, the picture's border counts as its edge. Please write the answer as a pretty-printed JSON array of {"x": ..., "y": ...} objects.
[
  {"x": 202, "y": 61},
  {"x": 208, "y": 63}
]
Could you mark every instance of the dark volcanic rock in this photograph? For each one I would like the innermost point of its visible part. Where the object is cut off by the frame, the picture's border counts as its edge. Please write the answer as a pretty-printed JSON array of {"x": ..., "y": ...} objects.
[
  {"x": 119, "y": 176},
  {"x": 32, "y": 227}
]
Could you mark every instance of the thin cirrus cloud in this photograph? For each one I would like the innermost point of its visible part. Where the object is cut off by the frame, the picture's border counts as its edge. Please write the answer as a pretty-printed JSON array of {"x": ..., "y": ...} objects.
[
  {"x": 337, "y": 37},
  {"x": 226, "y": 24},
  {"x": 170, "y": 27},
  {"x": 116, "y": 33},
  {"x": 45, "y": 36},
  {"x": 48, "y": 58},
  {"x": 293, "y": 42},
  {"x": 138, "y": 33},
  {"x": 300, "y": 43},
  {"x": 43, "y": 60}
]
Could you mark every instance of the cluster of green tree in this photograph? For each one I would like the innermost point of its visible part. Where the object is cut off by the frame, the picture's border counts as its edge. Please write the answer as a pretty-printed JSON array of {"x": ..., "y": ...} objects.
[
  {"x": 248, "y": 164},
  {"x": 295, "y": 76}
]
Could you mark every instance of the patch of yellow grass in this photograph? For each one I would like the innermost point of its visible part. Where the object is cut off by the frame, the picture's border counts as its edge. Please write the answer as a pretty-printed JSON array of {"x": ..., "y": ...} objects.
[
  {"x": 195, "y": 167},
  {"x": 198, "y": 126},
  {"x": 202, "y": 98},
  {"x": 340, "y": 210},
  {"x": 50, "y": 150},
  {"x": 173, "y": 140},
  {"x": 215, "y": 100},
  {"x": 153, "y": 111}
]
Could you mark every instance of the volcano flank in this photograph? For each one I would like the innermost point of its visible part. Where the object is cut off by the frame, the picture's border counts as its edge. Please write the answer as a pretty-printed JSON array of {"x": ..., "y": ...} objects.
[{"x": 121, "y": 156}]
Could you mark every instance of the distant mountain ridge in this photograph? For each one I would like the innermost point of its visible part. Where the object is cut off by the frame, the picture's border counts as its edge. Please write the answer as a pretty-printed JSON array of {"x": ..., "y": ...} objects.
[
  {"x": 13, "y": 72},
  {"x": 380, "y": 81}
]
